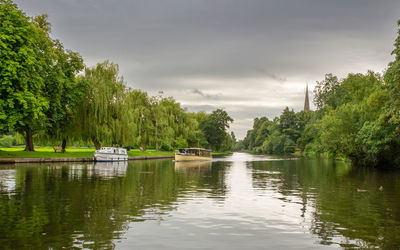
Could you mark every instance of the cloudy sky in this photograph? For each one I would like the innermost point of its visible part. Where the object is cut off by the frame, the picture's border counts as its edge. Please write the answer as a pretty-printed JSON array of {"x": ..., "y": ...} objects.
[{"x": 251, "y": 57}]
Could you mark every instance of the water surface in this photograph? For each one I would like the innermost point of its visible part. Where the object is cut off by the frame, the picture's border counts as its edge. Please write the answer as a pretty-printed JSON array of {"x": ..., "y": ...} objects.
[{"x": 241, "y": 201}]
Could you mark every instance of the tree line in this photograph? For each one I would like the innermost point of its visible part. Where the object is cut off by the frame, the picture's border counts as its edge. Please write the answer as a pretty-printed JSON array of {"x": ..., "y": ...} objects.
[
  {"x": 357, "y": 118},
  {"x": 48, "y": 94}
]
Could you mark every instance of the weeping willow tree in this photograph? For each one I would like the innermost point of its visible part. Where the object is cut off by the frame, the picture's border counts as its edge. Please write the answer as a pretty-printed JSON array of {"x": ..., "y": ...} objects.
[
  {"x": 140, "y": 111},
  {"x": 103, "y": 115},
  {"x": 161, "y": 123},
  {"x": 175, "y": 127},
  {"x": 112, "y": 114}
]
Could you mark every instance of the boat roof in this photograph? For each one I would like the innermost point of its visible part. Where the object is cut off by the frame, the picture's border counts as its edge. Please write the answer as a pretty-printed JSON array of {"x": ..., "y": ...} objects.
[{"x": 202, "y": 149}]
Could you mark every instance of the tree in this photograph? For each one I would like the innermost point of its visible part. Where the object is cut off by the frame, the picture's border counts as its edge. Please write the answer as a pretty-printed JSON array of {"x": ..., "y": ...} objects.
[
  {"x": 139, "y": 105},
  {"x": 35, "y": 71},
  {"x": 103, "y": 115},
  {"x": 288, "y": 124},
  {"x": 233, "y": 138},
  {"x": 214, "y": 127},
  {"x": 23, "y": 60},
  {"x": 325, "y": 92},
  {"x": 61, "y": 88},
  {"x": 392, "y": 79}
]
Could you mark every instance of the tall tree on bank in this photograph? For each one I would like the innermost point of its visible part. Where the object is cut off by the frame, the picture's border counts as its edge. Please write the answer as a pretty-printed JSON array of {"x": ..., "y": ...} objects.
[
  {"x": 61, "y": 88},
  {"x": 34, "y": 72},
  {"x": 103, "y": 115},
  {"x": 24, "y": 57},
  {"x": 392, "y": 79}
]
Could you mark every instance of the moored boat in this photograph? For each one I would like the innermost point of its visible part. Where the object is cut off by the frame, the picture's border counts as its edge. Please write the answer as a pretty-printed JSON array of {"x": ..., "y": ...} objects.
[
  {"x": 193, "y": 154},
  {"x": 110, "y": 154}
]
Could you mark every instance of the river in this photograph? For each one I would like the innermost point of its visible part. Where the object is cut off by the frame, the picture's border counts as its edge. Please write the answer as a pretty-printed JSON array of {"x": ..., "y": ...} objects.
[{"x": 240, "y": 201}]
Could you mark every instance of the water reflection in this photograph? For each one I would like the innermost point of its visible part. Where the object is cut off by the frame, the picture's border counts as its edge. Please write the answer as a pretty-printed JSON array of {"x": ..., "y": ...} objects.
[
  {"x": 183, "y": 166},
  {"x": 110, "y": 169},
  {"x": 327, "y": 193},
  {"x": 239, "y": 201}
]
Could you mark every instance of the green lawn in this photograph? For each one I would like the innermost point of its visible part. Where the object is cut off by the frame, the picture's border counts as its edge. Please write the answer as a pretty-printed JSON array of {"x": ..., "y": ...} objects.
[
  {"x": 221, "y": 153},
  {"x": 48, "y": 152}
]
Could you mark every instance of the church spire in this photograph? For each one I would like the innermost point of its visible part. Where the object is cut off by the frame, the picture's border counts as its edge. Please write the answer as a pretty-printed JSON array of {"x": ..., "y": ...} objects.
[{"x": 306, "y": 102}]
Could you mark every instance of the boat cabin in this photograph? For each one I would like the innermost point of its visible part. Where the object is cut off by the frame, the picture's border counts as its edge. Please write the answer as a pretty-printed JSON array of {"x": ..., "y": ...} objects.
[
  {"x": 112, "y": 150},
  {"x": 195, "y": 152}
]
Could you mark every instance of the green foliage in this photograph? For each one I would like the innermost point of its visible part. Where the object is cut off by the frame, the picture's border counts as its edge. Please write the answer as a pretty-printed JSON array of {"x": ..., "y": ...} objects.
[
  {"x": 7, "y": 141},
  {"x": 227, "y": 143},
  {"x": 102, "y": 114},
  {"x": 239, "y": 146},
  {"x": 37, "y": 76},
  {"x": 214, "y": 128},
  {"x": 326, "y": 92},
  {"x": 41, "y": 94},
  {"x": 354, "y": 121},
  {"x": 22, "y": 63}
]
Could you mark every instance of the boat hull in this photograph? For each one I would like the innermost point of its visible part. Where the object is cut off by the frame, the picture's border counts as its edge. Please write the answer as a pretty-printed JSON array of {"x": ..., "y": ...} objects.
[
  {"x": 104, "y": 157},
  {"x": 180, "y": 157}
]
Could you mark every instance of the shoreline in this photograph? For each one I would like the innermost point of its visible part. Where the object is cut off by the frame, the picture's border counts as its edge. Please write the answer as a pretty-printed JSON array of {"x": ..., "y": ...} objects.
[{"x": 75, "y": 159}]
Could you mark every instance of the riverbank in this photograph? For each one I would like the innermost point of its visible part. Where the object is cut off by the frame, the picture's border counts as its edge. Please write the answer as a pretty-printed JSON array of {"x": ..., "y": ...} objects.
[
  {"x": 74, "y": 159},
  {"x": 47, "y": 154}
]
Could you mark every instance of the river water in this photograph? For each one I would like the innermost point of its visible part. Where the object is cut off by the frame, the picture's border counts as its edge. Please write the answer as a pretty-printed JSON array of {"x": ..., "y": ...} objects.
[{"x": 241, "y": 201}]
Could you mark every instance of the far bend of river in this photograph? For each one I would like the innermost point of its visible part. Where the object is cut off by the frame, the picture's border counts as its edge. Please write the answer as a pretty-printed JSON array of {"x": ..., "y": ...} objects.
[{"x": 241, "y": 201}]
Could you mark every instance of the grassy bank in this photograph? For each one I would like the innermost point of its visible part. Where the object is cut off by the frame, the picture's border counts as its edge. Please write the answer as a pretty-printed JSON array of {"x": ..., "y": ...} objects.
[
  {"x": 221, "y": 153},
  {"x": 48, "y": 152}
]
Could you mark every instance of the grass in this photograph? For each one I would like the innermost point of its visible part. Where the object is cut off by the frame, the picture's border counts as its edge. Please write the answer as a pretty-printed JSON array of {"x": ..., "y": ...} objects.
[
  {"x": 221, "y": 153},
  {"x": 48, "y": 152}
]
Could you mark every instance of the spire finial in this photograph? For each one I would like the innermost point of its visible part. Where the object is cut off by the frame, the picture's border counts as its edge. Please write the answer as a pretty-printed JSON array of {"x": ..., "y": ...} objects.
[{"x": 306, "y": 102}]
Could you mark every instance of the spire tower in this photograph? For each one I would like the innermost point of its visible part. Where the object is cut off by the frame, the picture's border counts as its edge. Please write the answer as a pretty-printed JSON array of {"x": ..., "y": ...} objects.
[{"x": 306, "y": 102}]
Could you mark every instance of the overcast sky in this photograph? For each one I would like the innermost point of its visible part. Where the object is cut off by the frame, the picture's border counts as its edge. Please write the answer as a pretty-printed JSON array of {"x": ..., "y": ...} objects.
[{"x": 250, "y": 57}]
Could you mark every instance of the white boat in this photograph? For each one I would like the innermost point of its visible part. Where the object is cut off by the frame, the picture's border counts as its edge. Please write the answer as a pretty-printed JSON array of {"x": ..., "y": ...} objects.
[
  {"x": 110, "y": 154},
  {"x": 193, "y": 154}
]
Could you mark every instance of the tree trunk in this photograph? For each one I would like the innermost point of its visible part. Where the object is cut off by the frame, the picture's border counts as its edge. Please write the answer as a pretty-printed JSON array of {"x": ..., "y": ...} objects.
[
  {"x": 143, "y": 148},
  {"x": 29, "y": 141},
  {"x": 96, "y": 144},
  {"x": 156, "y": 137},
  {"x": 63, "y": 145}
]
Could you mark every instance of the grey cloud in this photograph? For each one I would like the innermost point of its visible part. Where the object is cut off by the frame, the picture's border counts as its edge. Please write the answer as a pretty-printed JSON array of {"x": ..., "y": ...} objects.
[
  {"x": 249, "y": 51},
  {"x": 206, "y": 96}
]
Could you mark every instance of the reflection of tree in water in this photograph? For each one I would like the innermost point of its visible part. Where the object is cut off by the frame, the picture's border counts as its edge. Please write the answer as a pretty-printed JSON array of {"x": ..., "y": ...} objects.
[
  {"x": 75, "y": 206},
  {"x": 206, "y": 178},
  {"x": 364, "y": 219}
]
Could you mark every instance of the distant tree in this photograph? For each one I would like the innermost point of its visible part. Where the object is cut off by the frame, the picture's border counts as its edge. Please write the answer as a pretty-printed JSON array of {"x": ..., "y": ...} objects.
[
  {"x": 215, "y": 126},
  {"x": 288, "y": 124},
  {"x": 325, "y": 92},
  {"x": 233, "y": 138},
  {"x": 227, "y": 143}
]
